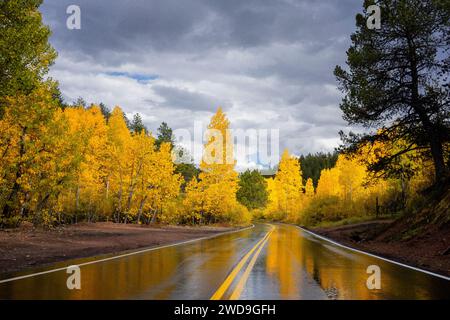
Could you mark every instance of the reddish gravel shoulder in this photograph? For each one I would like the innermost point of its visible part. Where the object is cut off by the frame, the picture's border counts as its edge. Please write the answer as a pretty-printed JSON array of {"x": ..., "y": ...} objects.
[
  {"x": 429, "y": 251},
  {"x": 27, "y": 247}
]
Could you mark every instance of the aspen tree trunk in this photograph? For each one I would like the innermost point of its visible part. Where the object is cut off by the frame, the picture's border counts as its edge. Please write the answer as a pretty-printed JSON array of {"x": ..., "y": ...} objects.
[
  {"x": 77, "y": 198},
  {"x": 130, "y": 197},
  {"x": 107, "y": 188},
  {"x": 119, "y": 206},
  {"x": 153, "y": 216},
  {"x": 141, "y": 207}
]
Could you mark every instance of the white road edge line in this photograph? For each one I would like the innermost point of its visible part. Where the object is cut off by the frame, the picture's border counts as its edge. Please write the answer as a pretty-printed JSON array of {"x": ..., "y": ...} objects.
[
  {"x": 375, "y": 256},
  {"x": 124, "y": 255}
]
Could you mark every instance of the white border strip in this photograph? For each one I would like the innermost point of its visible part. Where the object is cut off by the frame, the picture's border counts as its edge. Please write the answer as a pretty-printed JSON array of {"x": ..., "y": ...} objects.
[
  {"x": 375, "y": 256},
  {"x": 123, "y": 255}
]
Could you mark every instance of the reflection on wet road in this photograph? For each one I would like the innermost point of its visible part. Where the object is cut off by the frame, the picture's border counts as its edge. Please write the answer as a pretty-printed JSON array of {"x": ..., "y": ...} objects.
[{"x": 265, "y": 262}]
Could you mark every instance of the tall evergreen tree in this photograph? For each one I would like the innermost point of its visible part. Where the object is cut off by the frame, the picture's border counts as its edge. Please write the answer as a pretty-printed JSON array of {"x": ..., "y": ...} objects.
[
  {"x": 137, "y": 125},
  {"x": 185, "y": 166},
  {"x": 80, "y": 102},
  {"x": 164, "y": 135},
  {"x": 313, "y": 164},
  {"x": 397, "y": 79},
  {"x": 106, "y": 112}
]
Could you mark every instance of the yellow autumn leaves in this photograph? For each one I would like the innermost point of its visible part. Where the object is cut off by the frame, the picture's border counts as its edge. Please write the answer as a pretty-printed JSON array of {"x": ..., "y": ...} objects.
[
  {"x": 212, "y": 197},
  {"x": 344, "y": 185},
  {"x": 285, "y": 190},
  {"x": 65, "y": 165},
  {"x": 347, "y": 190},
  {"x": 72, "y": 164},
  {"x": 62, "y": 165}
]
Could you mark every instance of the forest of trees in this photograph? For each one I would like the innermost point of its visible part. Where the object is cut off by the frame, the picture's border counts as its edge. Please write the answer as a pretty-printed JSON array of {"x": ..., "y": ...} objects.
[
  {"x": 63, "y": 163},
  {"x": 313, "y": 164},
  {"x": 346, "y": 190}
]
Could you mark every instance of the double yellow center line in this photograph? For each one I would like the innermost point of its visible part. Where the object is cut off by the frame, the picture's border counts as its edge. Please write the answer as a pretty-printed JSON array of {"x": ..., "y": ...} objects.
[{"x": 240, "y": 285}]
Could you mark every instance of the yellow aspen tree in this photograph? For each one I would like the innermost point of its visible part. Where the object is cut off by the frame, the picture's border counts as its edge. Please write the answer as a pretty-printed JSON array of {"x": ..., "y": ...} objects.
[
  {"x": 86, "y": 129},
  {"x": 29, "y": 139},
  {"x": 352, "y": 176},
  {"x": 289, "y": 177},
  {"x": 218, "y": 179},
  {"x": 77, "y": 134},
  {"x": 140, "y": 171},
  {"x": 410, "y": 173},
  {"x": 136, "y": 149},
  {"x": 95, "y": 162},
  {"x": 194, "y": 202},
  {"x": 165, "y": 183},
  {"x": 218, "y": 150},
  {"x": 328, "y": 184},
  {"x": 273, "y": 209},
  {"x": 309, "y": 188},
  {"x": 119, "y": 141}
]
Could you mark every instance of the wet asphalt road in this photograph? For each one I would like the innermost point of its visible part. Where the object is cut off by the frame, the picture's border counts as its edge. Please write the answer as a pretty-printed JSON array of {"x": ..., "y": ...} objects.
[{"x": 273, "y": 261}]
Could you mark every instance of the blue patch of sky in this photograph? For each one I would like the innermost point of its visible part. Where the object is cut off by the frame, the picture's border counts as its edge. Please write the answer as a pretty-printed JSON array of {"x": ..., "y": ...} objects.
[{"x": 136, "y": 76}]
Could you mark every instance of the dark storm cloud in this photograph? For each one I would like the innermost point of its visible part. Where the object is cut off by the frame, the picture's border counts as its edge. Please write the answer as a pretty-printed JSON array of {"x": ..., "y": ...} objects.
[
  {"x": 180, "y": 98},
  {"x": 130, "y": 25},
  {"x": 269, "y": 63},
  {"x": 123, "y": 26}
]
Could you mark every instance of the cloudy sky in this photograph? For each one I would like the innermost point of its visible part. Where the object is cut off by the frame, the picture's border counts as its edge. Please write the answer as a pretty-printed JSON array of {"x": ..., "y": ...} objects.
[{"x": 268, "y": 63}]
